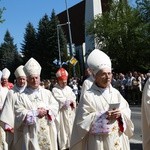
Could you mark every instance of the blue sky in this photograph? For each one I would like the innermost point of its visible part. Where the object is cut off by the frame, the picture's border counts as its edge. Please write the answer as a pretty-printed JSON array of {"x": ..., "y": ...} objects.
[{"x": 19, "y": 12}]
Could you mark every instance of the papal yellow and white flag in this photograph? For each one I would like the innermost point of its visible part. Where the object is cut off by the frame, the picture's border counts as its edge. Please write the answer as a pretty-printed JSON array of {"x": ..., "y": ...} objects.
[{"x": 73, "y": 61}]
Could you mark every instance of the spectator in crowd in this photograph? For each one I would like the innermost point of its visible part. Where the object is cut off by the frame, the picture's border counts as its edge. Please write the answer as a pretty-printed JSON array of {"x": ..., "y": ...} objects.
[
  {"x": 7, "y": 114},
  {"x": 146, "y": 116},
  {"x": 136, "y": 88},
  {"x": 75, "y": 89},
  {"x": 122, "y": 84},
  {"x": 129, "y": 88},
  {"x": 42, "y": 84},
  {"x": 117, "y": 84},
  {"x": 5, "y": 79},
  {"x": 53, "y": 83},
  {"x": 47, "y": 84},
  {"x": 96, "y": 125},
  {"x": 71, "y": 82},
  {"x": 113, "y": 81},
  {"x": 35, "y": 113},
  {"x": 67, "y": 107}
]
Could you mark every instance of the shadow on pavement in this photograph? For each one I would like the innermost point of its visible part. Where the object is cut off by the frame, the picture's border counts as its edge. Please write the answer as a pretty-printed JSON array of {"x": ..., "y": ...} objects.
[{"x": 136, "y": 146}]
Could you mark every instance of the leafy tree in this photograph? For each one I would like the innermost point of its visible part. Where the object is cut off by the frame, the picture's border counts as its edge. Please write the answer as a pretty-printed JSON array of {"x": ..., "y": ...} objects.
[
  {"x": 121, "y": 33},
  {"x": 144, "y": 8},
  {"x": 9, "y": 56},
  {"x": 29, "y": 45}
]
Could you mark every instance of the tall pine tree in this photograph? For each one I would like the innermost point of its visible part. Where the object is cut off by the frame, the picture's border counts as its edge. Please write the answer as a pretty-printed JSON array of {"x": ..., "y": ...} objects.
[
  {"x": 47, "y": 47},
  {"x": 9, "y": 56},
  {"x": 43, "y": 42},
  {"x": 29, "y": 45},
  {"x": 54, "y": 22}
]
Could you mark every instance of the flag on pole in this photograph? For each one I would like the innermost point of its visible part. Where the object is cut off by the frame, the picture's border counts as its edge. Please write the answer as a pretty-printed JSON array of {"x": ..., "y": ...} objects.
[{"x": 73, "y": 61}]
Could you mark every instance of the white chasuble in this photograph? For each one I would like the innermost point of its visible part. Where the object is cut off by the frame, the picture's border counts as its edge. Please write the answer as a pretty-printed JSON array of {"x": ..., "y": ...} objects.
[
  {"x": 67, "y": 108},
  {"x": 42, "y": 135},
  {"x": 98, "y": 134}
]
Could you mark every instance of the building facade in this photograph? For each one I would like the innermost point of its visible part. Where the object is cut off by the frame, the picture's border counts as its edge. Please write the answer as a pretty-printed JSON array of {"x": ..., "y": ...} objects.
[{"x": 80, "y": 15}]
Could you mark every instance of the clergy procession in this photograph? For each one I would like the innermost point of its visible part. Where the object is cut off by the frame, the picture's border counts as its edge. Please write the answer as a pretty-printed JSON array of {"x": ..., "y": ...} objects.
[{"x": 36, "y": 118}]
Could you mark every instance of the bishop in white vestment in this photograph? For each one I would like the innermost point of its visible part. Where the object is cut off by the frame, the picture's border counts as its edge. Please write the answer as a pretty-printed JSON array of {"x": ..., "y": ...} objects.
[
  {"x": 35, "y": 113},
  {"x": 7, "y": 114},
  {"x": 103, "y": 119},
  {"x": 67, "y": 108},
  {"x": 3, "y": 93}
]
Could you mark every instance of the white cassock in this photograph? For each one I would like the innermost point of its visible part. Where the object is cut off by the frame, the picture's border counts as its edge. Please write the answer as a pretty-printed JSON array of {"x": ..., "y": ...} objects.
[
  {"x": 90, "y": 132},
  {"x": 146, "y": 116},
  {"x": 36, "y": 133},
  {"x": 3, "y": 143},
  {"x": 66, "y": 99},
  {"x": 7, "y": 115}
]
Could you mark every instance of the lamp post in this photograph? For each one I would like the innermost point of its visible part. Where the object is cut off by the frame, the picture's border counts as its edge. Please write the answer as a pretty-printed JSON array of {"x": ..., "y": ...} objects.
[
  {"x": 58, "y": 41},
  {"x": 70, "y": 36},
  {"x": 69, "y": 29}
]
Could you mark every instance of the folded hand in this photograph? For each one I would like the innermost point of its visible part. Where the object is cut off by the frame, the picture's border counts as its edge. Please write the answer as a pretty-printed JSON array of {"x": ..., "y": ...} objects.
[
  {"x": 113, "y": 114},
  {"x": 42, "y": 112}
]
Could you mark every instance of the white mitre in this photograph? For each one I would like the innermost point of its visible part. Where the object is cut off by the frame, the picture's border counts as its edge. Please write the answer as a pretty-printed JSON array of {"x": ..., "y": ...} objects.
[
  {"x": 19, "y": 72},
  {"x": 5, "y": 73},
  {"x": 98, "y": 60},
  {"x": 32, "y": 67}
]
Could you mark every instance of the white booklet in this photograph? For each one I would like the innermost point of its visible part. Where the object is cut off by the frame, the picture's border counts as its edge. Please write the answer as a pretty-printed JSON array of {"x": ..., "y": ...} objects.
[{"x": 114, "y": 106}]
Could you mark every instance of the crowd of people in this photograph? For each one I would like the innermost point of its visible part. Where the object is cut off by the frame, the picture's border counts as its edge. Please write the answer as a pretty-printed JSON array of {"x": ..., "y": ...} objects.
[
  {"x": 63, "y": 113},
  {"x": 130, "y": 85}
]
